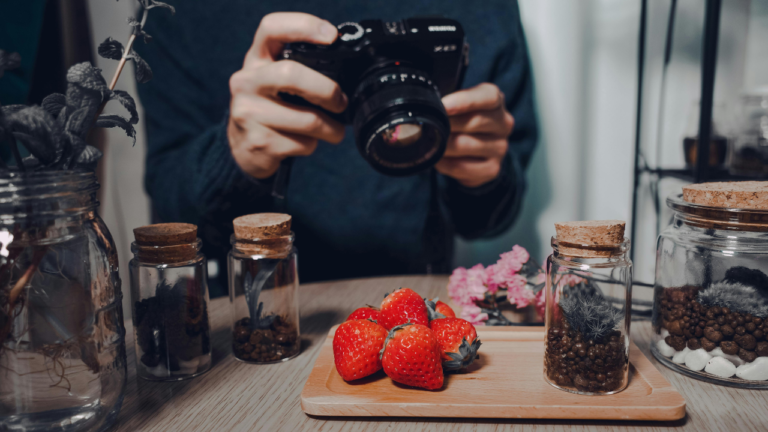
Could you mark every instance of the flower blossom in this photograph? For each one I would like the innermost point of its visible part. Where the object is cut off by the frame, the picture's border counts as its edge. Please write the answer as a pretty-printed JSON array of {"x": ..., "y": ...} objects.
[
  {"x": 509, "y": 264},
  {"x": 467, "y": 285},
  {"x": 474, "y": 315}
]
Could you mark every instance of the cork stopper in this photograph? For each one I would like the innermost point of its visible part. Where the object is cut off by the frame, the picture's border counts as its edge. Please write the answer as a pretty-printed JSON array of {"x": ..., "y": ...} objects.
[
  {"x": 741, "y": 195},
  {"x": 263, "y": 234},
  {"x": 597, "y": 238},
  {"x": 166, "y": 243}
]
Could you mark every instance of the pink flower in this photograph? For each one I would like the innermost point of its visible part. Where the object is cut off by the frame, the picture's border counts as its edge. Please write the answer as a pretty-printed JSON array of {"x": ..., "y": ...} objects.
[
  {"x": 518, "y": 293},
  {"x": 474, "y": 315},
  {"x": 490, "y": 278},
  {"x": 476, "y": 282},
  {"x": 466, "y": 286},
  {"x": 509, "y": 264},
  {"x": 457, "y": 284}
]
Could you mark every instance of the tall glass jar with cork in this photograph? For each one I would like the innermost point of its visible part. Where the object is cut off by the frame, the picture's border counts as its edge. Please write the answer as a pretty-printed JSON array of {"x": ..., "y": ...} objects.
[
  {"x": 589, "y": 294},
  {"x": 169, "y": 291},
  {"x": 263, "y": 289}
]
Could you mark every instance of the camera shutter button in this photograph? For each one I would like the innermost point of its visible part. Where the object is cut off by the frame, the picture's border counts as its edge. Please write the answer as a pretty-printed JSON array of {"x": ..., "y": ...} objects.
[{"x": 350, "y": 31}]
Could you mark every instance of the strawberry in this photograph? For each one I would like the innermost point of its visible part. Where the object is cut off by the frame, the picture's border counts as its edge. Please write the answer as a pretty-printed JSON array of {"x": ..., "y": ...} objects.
[
  {"x": 364, "y": 313},
  {"x": 356, "y": 348},
  {"x": 403, "y": 306},
  {"x": 458, "y": 341},
  {"x": 412, "y": 356},
  {"x": 438, "y": 309}
]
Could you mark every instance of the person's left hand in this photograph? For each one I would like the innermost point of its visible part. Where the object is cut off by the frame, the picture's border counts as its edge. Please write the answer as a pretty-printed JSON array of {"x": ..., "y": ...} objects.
[{"x": 480, "y": 126}]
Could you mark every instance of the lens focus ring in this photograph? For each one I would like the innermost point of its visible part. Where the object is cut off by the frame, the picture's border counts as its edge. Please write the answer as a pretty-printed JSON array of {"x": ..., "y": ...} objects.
[{"x": 401, "y": 126}]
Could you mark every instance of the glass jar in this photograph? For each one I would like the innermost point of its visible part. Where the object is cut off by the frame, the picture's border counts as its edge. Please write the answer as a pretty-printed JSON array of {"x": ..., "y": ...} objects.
[
  {"x": 749, "y": 152},
  {"x": 706, "y": 256},
  {"x": 62, "y": 340},
  {"x": 263, "y": 293},
  {"x": 169, "y": 290},
  {"x": 587, "y": 317}
]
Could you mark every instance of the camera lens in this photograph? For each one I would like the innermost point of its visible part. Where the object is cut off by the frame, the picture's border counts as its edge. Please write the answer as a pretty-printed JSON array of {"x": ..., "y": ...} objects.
[{"x": 400, "y": 124}]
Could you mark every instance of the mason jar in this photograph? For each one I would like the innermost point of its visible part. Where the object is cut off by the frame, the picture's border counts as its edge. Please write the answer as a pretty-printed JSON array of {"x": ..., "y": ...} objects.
[
  {"x": 263, "y": 289},
  {"x": 62, "y": 340},
  {"x": 169, "y": 291},
  {"x": 710, "y": 314},
  {"x": 588, "y": 309}
]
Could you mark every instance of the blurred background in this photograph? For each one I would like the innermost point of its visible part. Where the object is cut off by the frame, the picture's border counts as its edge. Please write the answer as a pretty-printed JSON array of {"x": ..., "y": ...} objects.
[{"x": 586, "y": 68}]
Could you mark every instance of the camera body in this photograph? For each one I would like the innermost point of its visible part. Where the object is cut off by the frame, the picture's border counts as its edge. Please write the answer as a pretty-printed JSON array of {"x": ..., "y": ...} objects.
[{"x": 394, "y": 74}]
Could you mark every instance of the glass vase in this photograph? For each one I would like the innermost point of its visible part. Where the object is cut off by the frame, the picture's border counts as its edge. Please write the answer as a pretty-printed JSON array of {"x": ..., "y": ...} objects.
[{"x": 62, "y": 346}]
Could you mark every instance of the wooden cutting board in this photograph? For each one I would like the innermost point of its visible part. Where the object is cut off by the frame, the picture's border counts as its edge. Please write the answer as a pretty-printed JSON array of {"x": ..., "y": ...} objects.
[{"x": 505, "y": 382}]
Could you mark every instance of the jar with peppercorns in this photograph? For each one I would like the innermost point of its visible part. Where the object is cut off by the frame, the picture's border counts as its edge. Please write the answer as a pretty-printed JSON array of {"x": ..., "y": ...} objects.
[
  {"x": 588, "y": 297},
  {"x": 169, "y": 290},
  {"x": 263, "y": 289},
  {"x": 710, "y": 314}
]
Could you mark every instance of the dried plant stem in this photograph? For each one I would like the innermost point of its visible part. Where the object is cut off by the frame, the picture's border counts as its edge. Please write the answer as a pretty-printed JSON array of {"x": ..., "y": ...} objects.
[
  {"x": 123, "y": 60},
  {"x": 24, "y": 279}
]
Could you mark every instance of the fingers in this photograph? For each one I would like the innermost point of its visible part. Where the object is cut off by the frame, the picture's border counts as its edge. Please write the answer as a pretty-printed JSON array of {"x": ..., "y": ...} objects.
[
  {"x": 277, "y": 29},
  {"x": 498, "y": 122},
  {"x": 469, "y": 171},
  {"x": 286, "y": 118},
  {"x": 482, "y": 97},
  {"x": 258, "y": 150},
  {"x": 290, "y": 77},
  {"x": 476, "y": 145}
]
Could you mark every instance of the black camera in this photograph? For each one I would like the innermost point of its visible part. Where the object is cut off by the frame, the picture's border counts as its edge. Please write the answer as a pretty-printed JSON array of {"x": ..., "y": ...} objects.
[{"x": 395, "y": 74}]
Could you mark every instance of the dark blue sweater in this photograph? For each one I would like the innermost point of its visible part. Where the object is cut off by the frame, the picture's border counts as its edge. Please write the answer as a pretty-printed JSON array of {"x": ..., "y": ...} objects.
[{"x": 349, "y": 220}]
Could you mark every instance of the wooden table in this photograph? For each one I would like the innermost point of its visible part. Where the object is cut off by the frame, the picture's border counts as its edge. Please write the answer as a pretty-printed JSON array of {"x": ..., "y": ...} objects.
[{"x": 235, "y": 396}]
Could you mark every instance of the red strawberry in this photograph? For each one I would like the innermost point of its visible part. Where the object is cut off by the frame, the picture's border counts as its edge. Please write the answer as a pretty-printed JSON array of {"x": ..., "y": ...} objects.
[
  {"x": 412, "y": 356},
  {"x": 438, "y": 309},
  {"x": 403, "y": 306},
  {"x": 364, "y": 313},
  {"x": 356, "y": 348},
  {"x": 458, "y": 340}
]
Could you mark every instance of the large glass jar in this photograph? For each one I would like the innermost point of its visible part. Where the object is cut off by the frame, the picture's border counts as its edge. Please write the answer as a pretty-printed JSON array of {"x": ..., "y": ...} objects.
[
  {"x": 589, "y": 292},
  {"x": 263, "y": 289},
  {"x": 169, "y": 290},
  {"x": 707, "y": 259},
  {"x": 62, "y": 340}
]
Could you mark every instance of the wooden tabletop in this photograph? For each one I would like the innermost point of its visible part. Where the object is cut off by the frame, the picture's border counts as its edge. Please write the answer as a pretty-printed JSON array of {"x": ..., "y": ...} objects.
[{"x": 234, "y": 396}]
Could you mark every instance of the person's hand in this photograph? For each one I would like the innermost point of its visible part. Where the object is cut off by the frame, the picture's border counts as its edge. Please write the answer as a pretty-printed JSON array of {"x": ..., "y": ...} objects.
[
  {"x": 263, "y": 130},
  {"x": 480, "y": 126}
]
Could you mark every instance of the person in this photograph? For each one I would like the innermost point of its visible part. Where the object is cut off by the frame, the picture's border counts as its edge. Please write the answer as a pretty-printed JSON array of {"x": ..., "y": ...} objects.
[{"x": 218, "y": 131}]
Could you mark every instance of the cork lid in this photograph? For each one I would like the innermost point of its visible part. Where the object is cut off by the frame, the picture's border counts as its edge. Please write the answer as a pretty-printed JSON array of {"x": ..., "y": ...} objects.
[
  {"x": 263, "y": 234},
  {"x": 262, "y": 226},
  {"x": 598, "y": 233},
  {"x": 165, "y": 234},
  {"x": 743, "y": 195},
  {"x": 166, "y": 243}
]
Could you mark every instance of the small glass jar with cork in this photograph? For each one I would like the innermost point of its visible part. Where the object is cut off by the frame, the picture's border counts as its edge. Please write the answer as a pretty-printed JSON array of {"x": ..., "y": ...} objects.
[
  {"x": 169, "y": 291},
  {"x": 263, "y": 289},
  {"x": 588, "y": 306},
  {"x": 710, "y": 312}
]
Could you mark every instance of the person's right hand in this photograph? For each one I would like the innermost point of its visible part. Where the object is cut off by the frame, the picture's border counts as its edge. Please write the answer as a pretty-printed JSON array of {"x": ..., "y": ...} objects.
[{"x": 263, "y": 130}]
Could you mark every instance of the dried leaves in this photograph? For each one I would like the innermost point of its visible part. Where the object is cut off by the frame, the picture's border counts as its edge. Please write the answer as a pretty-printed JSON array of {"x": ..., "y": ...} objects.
[
  {"x": 55, "y": 133},
  {"x": 111, "y": 49}
]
